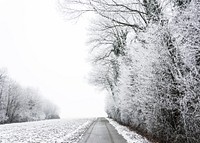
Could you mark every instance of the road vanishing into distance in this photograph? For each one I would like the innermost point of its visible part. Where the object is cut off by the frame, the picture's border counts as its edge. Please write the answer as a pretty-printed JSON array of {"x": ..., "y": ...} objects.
[{"x": 101, "y": 131}]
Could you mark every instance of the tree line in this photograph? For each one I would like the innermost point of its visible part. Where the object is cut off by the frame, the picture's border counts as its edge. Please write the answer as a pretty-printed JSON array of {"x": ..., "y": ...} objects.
[
  {"x": 20, "y": 104},
  {"x": 146, "y": 54}
]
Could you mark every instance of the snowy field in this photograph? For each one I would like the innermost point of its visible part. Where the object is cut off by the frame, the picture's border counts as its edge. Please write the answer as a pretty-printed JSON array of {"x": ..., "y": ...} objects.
[
  {"x": 129, "y": 136},
  {"x": 49, "y": 131}
]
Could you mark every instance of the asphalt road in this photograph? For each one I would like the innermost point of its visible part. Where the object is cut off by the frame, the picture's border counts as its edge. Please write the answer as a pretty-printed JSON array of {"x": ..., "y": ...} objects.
[{"x": 101, "y": 131}]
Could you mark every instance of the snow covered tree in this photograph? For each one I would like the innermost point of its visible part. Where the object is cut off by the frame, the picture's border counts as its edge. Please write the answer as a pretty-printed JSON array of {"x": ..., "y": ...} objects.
[
  {"x": 3, "y": 78},
  {"x": 146, "y": 54},
  {"x": 13, "y": 102},
  {"x": 185, "y": 30},
  {"x": 50, "y": 110},
  {"x": 117, "y": 11},
  {"x": 20, "y": 104},
  {"x": 31, "y": 108}
]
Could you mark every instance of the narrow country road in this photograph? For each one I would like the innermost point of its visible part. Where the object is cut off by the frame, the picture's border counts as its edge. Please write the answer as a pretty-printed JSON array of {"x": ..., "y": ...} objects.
[{"x": 101, "y": 131}]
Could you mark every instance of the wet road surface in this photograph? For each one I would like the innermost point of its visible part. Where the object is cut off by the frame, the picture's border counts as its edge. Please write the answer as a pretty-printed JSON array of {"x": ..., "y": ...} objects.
[{"x": 101, "y": 131}]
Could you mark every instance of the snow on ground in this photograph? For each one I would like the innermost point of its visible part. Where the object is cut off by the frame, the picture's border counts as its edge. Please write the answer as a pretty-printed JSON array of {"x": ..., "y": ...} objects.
[
  {"x": 129, "y": 136},
  {"x": 48, "y": 131}
]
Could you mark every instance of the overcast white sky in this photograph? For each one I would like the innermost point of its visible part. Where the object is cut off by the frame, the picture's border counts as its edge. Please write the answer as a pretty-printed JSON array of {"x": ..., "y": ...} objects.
[{"x": 41, "y": 49}]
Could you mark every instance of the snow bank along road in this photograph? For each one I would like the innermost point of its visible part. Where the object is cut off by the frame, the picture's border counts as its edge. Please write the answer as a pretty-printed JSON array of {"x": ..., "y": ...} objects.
[
  {"x": 69, "y": 131},
  {"x": 108, "y": 131},
  {"x": 48, "y": 131}
]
